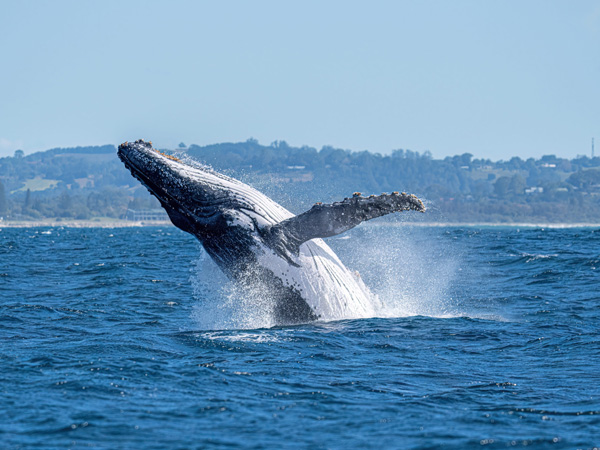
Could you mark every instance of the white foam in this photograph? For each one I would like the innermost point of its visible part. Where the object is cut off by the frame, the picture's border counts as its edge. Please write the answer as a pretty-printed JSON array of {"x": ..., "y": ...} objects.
[
  {"x": 408, "y": 277},
  {"x": 257, "y": 337}
]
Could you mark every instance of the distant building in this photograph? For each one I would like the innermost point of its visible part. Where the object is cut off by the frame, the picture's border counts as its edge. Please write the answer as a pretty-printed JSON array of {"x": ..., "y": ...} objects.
[
  {"x": 534, "y": 189},
  {"x": 146, "y": 215},
  {"x": 299, "y": 178}
]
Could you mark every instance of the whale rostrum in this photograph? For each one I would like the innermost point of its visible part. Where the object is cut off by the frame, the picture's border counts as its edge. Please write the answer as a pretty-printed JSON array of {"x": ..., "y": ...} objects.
[{"x": 258, "y": 243}]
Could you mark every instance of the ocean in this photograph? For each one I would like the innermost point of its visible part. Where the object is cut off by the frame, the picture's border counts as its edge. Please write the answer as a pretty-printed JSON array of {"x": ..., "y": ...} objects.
[{"x": 131, "y": 338}]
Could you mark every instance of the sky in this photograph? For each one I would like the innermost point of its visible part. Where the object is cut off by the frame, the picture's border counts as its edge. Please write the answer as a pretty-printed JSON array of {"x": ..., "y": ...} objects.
[{"x": 495, "y": 79}]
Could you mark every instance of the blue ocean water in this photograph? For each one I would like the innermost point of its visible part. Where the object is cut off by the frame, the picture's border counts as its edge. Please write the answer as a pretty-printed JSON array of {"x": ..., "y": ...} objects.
[{"x": 130, "y": 338}]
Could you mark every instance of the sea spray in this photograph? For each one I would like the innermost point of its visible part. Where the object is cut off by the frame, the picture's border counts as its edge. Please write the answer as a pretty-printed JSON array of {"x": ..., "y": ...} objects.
[
  {"x": 407, "y": 272},
  {"x": 224, "y": 304}
]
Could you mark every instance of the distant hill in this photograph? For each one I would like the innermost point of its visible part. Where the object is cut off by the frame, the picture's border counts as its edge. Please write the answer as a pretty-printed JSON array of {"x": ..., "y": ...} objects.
[{"x": 87, "y": 182}]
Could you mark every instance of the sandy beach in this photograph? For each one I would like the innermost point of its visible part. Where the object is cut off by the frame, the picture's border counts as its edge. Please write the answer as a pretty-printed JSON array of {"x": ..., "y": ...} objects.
[{"x": 116, "y": 223}]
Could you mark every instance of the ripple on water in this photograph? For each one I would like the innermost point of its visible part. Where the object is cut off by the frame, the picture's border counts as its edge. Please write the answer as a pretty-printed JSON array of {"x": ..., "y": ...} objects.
[{"x": 489, "y": 340}]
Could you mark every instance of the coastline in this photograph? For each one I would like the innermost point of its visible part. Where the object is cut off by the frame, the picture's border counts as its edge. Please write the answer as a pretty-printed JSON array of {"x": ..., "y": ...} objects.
[
  {"x": 116, "y": 223},
  {"x": 498, "y": 225},
  {"x": 113, "y": 223}
]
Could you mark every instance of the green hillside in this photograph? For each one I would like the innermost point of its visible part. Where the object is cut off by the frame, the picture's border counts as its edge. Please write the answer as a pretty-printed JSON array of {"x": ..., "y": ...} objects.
[{"x": 88, "y": 182}]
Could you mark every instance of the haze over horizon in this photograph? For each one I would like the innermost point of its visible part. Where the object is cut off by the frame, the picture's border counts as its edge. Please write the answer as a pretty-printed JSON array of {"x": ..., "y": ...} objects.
[{"x": 493, "y": 79}]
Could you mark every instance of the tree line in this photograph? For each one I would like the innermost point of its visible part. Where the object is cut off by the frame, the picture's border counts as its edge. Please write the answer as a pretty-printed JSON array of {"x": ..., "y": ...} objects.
[{"x": 89, "y": 182}]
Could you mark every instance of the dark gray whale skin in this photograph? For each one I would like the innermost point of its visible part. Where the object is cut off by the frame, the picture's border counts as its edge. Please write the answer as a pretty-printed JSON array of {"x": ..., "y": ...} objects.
[{"x": 209, "y": 211}]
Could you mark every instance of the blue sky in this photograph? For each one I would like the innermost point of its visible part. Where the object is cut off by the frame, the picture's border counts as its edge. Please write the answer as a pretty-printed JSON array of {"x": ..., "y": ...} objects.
[{"x": 496, "y": 79}]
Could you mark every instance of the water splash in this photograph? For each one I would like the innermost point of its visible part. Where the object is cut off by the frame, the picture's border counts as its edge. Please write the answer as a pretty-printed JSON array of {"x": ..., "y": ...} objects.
[
  {"x": 409, "y": 270},
  {"x": 223, "y": 304}
]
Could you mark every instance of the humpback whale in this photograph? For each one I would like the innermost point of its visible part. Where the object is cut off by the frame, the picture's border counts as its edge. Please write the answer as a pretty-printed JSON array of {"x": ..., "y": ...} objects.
[{"x": 257, "y": 242}]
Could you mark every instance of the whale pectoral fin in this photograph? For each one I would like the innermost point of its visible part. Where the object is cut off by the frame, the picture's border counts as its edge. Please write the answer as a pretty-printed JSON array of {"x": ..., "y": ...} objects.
[{"x": 328, "y": 220}]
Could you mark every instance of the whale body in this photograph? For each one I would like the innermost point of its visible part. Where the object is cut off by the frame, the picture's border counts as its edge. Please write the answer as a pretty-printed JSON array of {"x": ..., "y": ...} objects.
[{"x": 261, "y": 245}]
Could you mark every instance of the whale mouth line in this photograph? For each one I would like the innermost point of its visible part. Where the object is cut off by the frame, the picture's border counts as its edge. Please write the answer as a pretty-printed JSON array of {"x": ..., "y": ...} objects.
[
  {"x": 165, "y": 197},
  {"x": 161, "y": 194},
  {"x": 141, "y": 176}
]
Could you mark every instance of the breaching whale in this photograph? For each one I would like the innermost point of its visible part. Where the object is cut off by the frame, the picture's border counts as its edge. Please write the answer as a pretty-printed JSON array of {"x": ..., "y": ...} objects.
[{"x": 257, "y": 242}]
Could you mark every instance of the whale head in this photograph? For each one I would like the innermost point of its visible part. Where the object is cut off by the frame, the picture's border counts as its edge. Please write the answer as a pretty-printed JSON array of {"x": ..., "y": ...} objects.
[{"x": 196, "y": 198}]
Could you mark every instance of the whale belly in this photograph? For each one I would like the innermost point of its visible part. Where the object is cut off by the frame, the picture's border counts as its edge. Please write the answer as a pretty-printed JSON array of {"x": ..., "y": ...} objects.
[{"x": 329, "y": 288}]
